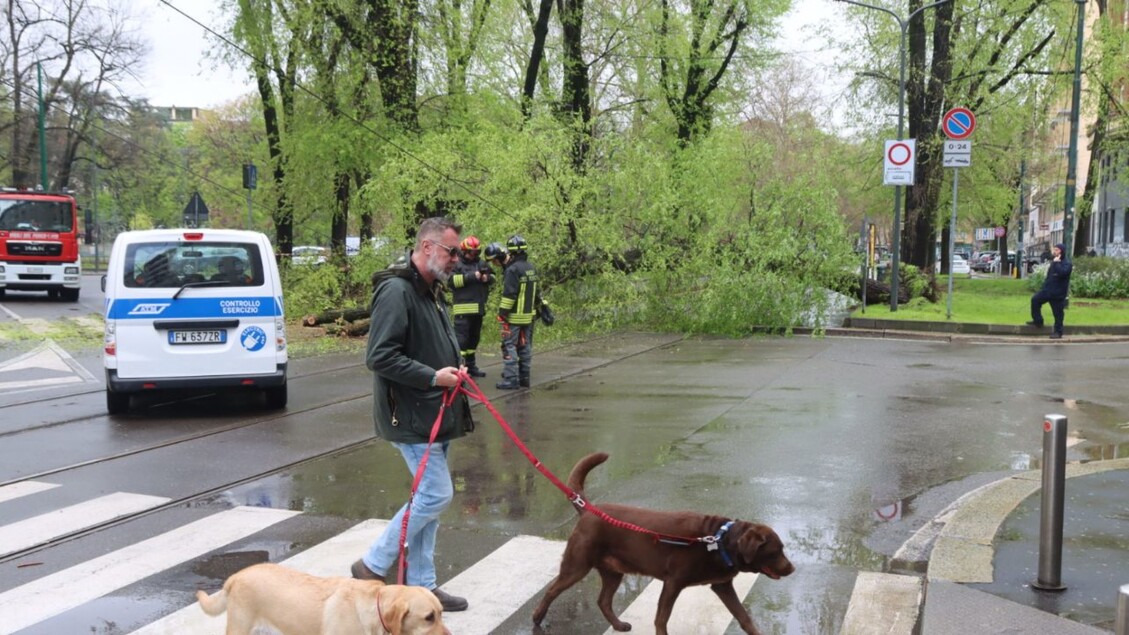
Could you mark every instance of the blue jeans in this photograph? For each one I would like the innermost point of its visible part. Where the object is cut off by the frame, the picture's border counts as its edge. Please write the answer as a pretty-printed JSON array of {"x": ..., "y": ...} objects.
[{"x": 433, "y": 496}]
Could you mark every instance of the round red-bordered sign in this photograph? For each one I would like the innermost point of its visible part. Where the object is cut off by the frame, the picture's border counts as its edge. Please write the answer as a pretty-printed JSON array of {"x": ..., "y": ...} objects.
[
  {"x": 958, "y": 123},
  {"x": 900, "y": 150}
]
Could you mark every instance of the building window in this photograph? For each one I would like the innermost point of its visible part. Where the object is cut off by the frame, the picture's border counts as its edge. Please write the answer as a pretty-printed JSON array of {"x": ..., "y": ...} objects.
[{"x": 1112, "y": 224}]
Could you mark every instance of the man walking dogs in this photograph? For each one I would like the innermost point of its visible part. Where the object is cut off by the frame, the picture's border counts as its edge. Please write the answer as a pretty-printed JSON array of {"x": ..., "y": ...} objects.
[
  {"x": 1054, "y": 292},
  {"x": 414, "y": 354}
]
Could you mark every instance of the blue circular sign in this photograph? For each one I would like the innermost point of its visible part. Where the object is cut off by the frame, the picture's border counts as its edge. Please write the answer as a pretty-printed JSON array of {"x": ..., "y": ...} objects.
[
  {"x": 253, "y": 338},
  {"x": 958, "y": 123}
]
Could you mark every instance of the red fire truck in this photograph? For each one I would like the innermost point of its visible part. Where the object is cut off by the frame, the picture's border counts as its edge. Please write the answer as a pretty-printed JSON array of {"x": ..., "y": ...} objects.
[{"x": 39, "y": 243}]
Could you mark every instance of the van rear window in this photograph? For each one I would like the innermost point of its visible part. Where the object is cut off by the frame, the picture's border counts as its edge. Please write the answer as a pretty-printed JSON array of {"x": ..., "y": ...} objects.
[{"x": 174, "y": 264}]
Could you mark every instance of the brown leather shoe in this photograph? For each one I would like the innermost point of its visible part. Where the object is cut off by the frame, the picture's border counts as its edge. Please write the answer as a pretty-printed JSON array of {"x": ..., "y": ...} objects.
[
  {"x": 451, "y": 603},
  {"x": 362, "y": 572}
]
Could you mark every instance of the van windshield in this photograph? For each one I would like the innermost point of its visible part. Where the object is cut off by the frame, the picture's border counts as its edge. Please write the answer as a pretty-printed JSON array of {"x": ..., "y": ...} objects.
[{"x": 175, "y": 264}]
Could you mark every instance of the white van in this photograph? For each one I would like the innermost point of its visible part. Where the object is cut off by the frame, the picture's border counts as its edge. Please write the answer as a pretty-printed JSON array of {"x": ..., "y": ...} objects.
[{"x": 193, "y": 309}]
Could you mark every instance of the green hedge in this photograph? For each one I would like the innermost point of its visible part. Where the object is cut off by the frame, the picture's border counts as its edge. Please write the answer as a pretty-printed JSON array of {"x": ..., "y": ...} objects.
[{"x": 1093, "y": 277}]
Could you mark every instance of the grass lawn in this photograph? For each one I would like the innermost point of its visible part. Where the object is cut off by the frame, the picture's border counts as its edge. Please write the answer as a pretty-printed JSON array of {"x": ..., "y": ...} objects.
[{"x": 998, "y": 301}]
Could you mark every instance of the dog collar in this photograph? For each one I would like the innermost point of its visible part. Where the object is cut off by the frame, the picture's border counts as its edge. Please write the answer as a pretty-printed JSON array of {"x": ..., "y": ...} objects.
[
  {"x": 380, "y": 614},
  {"x": 713, "y": 543}
]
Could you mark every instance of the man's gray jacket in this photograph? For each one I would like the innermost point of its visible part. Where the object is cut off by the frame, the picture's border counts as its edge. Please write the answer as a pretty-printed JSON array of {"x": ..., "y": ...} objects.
[{"x": 410, "y": 337}]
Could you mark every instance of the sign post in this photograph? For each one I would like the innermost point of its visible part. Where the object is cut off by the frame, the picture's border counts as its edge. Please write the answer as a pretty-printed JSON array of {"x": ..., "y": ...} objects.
[
  {"x": 250, "y": 180},
  {"x": 958, "y": 124}
]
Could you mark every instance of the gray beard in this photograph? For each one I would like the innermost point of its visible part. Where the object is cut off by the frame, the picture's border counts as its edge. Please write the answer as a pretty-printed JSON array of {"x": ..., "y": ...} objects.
[{"x": 435, "y": 270}]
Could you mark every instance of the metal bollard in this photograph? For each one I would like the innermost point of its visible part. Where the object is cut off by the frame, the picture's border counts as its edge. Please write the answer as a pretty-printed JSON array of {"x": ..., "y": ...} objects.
[
  {"x": 1050, "y": 521},
  {"x": 1122, "y": 627}
]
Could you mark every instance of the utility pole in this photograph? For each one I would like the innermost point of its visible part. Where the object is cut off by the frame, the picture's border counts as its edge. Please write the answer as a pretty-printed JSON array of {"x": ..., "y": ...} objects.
[
  {"x": 1072, "y": 159},
  {"x": 42, "y": 131},
  {"x": 896, "y": 249}
]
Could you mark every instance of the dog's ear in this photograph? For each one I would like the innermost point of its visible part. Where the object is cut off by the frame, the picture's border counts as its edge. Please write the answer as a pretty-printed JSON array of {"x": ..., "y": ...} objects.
[
  {"x": 749, "y": 542},
  {"x": 394, "y": 605}
]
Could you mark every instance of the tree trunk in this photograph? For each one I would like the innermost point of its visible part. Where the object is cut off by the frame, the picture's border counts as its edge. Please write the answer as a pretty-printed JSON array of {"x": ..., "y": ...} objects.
[
  {"x": 575, "y": 93},
  {"x": 333, "y": 315},
  {"x": 536, "y": 54}
]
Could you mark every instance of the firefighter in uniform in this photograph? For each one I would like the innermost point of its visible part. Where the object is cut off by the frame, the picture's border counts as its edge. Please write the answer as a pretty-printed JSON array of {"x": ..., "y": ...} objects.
[
  {"x": 521, "y": 297},
  {"x": 471, "y": 286}
]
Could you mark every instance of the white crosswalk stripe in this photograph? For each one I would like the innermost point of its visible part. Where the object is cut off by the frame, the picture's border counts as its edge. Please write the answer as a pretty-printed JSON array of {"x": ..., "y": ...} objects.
[
  {"x": 23, "y": 488},
  {"x": 45, "y": 527},
  {"x": 698, "y": 610},
  {"x": 330, "y": 558},
  {"x": 51, "y": 595},
  {"x": 496, "y": 586},
  {"x": 500, "y": 583}
]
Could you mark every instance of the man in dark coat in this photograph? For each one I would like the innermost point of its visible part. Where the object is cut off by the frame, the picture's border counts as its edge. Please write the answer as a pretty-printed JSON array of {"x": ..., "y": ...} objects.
[
  {"x": 414, "y": 354},
  {"x": 1055, "y": 290}
]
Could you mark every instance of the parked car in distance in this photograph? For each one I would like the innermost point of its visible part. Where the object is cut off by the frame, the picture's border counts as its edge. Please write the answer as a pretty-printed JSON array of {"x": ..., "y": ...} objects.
[
  {"x": 308, "y": 255},
  {"x": 985, "y": 261},
  {"x": 960, "y": 266}
]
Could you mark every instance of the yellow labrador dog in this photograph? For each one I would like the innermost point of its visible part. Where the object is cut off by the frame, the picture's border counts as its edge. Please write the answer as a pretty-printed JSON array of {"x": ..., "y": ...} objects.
[{"x": 295, "y": 603}]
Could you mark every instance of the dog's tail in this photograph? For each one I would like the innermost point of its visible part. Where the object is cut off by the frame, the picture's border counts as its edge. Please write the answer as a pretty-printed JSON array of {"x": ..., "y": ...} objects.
[
  {"x": 583, "y": 466},
  {"x": 213, "y": 604}
]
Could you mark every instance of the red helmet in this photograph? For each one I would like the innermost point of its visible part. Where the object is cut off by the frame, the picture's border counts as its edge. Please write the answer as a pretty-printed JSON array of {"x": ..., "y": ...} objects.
[{"x": 470, "y": 243}]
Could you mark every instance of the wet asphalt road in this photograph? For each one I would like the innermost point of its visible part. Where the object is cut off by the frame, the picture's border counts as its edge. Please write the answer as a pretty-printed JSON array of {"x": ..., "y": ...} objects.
[{"x": 845, "y": 446}]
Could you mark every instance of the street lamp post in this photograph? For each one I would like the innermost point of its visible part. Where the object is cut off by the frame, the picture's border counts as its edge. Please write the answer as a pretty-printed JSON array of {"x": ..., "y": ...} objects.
[
  {"x": 896, "y": 255},
  {"x": 1072, "y": 159}
]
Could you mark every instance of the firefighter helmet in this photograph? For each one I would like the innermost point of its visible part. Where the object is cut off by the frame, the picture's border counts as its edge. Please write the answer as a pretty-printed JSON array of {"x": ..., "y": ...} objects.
[
  {"x": 495, "y": 251},
  {"x": 470, "y": 244},
  {"x": 516, "y": 243}
]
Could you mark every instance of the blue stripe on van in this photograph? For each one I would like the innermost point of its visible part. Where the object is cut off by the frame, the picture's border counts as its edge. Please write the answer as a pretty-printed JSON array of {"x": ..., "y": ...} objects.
[{"x": 166, "y": 308}]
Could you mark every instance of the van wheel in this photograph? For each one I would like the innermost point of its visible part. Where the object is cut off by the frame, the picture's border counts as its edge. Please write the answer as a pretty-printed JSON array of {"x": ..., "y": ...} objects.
[
  {"x": 70, "y": 295},
  {"x": 117, "y": 402},
  {"x": 276, "y": 397}
]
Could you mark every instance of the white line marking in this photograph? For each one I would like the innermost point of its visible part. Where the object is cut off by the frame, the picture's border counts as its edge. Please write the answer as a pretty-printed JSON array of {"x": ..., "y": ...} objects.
[
  {"x": 78, "y": 368},
  {"x": 698, "y": 610},
  {"x": 502, "y": 582},
  {"x": 24, "y": 488},
  {"x": 59, "y": 592},
  {"x": 39, "y": 529},
  {"x": 11, "y": 314},
  {"x": 329, "y": 558}
]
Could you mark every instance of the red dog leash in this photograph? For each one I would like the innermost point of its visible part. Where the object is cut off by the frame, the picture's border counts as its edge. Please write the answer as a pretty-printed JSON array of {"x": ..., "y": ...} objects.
[{"x": 578, "y": 501}]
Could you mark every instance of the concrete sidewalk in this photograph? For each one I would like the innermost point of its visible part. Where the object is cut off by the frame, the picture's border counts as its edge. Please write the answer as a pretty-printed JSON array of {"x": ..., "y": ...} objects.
[{"x": 983, "y": 551}]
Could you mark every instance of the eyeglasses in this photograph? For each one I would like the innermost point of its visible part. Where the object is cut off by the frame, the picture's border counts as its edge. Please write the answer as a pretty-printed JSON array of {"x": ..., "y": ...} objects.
[{"x": 451, "y": 251}]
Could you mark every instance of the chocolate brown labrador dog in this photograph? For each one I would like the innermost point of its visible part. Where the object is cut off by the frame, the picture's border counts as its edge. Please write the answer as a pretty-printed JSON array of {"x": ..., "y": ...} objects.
[{"x": 613, "y": 551}]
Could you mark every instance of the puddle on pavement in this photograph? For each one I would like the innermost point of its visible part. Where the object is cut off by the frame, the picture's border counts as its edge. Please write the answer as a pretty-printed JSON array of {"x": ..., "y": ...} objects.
[{"x": 220, "y": 566}]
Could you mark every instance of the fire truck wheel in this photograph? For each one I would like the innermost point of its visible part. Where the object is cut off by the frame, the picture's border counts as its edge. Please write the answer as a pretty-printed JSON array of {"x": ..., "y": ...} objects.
[{"x": 70, "y": 295}]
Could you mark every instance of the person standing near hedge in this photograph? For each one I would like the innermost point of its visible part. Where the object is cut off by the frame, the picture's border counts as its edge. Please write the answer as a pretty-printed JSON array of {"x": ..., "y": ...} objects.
[{"x": 1055, "y": 290}]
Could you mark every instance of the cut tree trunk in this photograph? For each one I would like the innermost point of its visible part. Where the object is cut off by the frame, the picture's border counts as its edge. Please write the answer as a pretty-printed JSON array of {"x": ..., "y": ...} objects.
[{"x": 333, "y": 315}]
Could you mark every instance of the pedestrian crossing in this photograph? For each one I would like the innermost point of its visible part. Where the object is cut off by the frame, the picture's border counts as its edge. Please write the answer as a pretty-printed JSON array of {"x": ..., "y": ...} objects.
[{"x": 498, "y": 585}]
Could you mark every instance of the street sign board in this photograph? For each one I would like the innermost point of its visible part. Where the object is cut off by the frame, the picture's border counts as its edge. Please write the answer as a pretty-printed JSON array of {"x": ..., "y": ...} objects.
[
  {"x": 957, "y": 160},
  {"x": 984, "y": 233},
  {"x": 899, "y": 162},
  {"x": 1000, "y": 232},
  {"x": 958, "y": 123},
  {"x": 195, "y": 212},
  {"x": 958, "y": 154}
]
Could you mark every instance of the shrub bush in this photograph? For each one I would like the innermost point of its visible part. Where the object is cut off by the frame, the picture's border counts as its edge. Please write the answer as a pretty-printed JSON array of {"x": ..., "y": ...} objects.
[{"x": 1093, "y": 277}]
